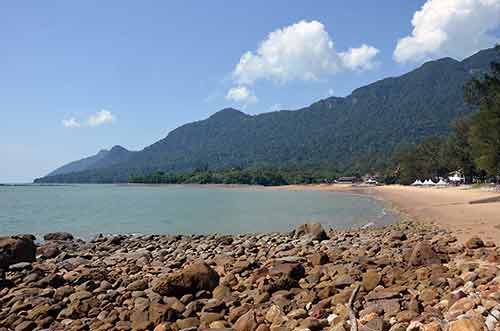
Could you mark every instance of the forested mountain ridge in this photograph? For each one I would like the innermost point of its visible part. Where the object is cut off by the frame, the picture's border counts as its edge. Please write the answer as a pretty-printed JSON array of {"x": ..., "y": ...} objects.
[
  {"x": 355, "y": 133},
  {"x": 103, "y": 159}
]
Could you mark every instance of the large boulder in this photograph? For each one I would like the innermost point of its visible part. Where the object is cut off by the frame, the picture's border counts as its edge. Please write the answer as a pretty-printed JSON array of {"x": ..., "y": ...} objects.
[
  {"x": 194, "y": 278},
  {"x": 63, "y": 236},
  {"x": 48, "y": 250},
  {"x": 423, "y": 255},
  {"x": 311, "y": 231},
  {"x": 16, "y": 249}
]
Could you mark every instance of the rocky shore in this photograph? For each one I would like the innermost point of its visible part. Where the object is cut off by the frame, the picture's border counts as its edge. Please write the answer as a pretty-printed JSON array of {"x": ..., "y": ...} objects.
[{"x": 402, "y": 277}]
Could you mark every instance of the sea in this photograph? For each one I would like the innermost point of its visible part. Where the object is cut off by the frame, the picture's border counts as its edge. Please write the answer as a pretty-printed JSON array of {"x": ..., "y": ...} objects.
[{"x": 89, "y": 210}]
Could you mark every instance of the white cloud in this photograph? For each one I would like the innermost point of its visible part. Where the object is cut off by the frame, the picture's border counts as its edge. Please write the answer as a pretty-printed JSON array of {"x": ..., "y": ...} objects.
[
  {"x": 241, "y": 94},
  {"x": 101, "y": 117},
  {"x": 359, "y": 58},
  {"x": 456, "y": 28},
  {"x": 302, "y": 51},
  {"x": 71, "y": 123}
]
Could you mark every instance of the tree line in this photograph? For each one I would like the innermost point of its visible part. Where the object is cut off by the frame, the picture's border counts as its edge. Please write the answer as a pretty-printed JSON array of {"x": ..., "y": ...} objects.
[
  {"x": 265, "y": 176},
  {"x": 473, "y": 146}
]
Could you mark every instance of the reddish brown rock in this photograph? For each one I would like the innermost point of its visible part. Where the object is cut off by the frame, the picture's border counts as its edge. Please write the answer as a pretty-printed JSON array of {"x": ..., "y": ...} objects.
[
  {"x": 466, "y": 325},
  {"x": 16, "y": 249},
  {"x": 246, "y": 322},
  {"x": 474, "y": 242},
  {"x": 423, "y": 255},
  {"x": 194, "y": 278},
  {"x": 311, "y": 231}
]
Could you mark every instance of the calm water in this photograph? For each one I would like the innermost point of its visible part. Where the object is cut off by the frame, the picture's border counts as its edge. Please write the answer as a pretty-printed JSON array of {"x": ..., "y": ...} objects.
[{"x": 87, "y": 210}]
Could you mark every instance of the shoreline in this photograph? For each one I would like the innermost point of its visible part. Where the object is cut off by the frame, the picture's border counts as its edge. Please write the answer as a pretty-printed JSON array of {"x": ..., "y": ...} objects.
[{"x": 466, "y": 212}]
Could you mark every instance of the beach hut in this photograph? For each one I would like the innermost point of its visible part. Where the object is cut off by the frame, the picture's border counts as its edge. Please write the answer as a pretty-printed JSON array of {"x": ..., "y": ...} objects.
[
  {"x": 456, "y": 179},
  {"x": 417, "y": 182}
]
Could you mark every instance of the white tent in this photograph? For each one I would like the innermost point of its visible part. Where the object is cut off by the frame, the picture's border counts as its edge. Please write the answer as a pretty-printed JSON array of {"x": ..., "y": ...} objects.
[
  {"x": 429, "y": 182},
  {"x": 442, "y": 183},
  {"x": 417, "y": 183}
]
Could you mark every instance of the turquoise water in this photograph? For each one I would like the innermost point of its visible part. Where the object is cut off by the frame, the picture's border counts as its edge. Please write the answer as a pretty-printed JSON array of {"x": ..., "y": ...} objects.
[{"x": 87, "y": 210}]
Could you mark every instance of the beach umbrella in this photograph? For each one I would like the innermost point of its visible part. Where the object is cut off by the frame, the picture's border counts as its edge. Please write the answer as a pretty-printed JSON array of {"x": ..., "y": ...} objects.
[{"x": 417, "y": 182}]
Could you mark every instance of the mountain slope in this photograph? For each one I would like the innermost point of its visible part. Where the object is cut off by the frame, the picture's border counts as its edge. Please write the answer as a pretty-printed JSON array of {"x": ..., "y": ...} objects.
[
  {"x": 102, "y": 159},
  {"x": 358, "y": 131}
]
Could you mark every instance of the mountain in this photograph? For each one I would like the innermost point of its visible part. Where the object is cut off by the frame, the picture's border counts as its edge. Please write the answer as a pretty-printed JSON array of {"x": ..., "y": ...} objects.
[
  {"x": 355, "y": 132},
  {"x": 102, "y": 159}
]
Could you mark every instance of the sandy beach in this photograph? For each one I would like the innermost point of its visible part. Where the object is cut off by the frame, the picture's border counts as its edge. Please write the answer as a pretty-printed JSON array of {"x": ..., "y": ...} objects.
[
  {"x": 455, "y": 208},
  {"x": 448, "y": 207}
]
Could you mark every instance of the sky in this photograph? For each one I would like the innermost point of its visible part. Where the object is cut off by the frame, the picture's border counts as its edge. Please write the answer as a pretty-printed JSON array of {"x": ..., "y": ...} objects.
[{"x": 78, "y": 77}]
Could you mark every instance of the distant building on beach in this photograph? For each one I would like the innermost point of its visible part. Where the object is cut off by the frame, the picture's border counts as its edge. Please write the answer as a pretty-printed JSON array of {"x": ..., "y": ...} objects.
[
  {"x": 347, "y": 180},
  {"x": 456, "y": 177}
]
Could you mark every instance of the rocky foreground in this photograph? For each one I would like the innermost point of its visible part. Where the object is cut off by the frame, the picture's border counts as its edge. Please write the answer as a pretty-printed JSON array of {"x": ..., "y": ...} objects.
[{"x": 406, "y": 276}]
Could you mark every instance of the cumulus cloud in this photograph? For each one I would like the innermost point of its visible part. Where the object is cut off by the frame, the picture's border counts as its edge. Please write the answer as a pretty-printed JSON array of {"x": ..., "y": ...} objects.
[
  {"x": 359, "y": 58},
  {"x": 456, "y": 28},
  {"x": 99, "y": 118},
  {"x": 302, "y": 51},
  {"x": 71, "y": 123},
  {"x": 241, "y": 94}
]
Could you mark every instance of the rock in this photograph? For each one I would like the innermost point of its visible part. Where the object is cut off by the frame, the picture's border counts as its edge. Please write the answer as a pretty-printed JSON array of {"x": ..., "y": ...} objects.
[
  {"x": 423, "y": 255},
  {"x": 474, "y": 242},
  {"x": 161, "y": 313},
  {"x": 221, "y": 291},
  {"x": 208, "y": 318},
  {"x": 397, "y": 235},
  {"x": 194, "y": 278},
  {"x": 138, "y": 285},
  {"x": 186, "y": 323},
  {"x": 246, "y": 322},
  {"x": 493, "y": 319},
  {"x": 26, "y": 326},
  {"x": 48, "y": 250},
  {"x": 318, "y": 258},
  {"x": 20, "y": 266},
  {"x": 432, "y": 326},
  {"x": 371, "y": 279},
  {"x": 292, "y": 270},
  {"x": 140, "y": 320},
  {"x": 311, "y": 231},
  {"x": 460, "y": 307},
  {"x": 16, "y": 249},
  {"x": 61, "y": 236},
  {"x": 466, "y": 325}
]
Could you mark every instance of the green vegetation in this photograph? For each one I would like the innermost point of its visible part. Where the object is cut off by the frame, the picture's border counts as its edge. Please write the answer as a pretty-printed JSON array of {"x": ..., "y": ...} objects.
[
  {"x": 473, "y": 147},
  {"x": 356, "y": 134},
  {"x": 251, "y": 176}
]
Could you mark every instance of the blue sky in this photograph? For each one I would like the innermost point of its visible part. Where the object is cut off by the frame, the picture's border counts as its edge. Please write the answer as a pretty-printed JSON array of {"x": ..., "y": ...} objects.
[{"x": 76, "y": 77}]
